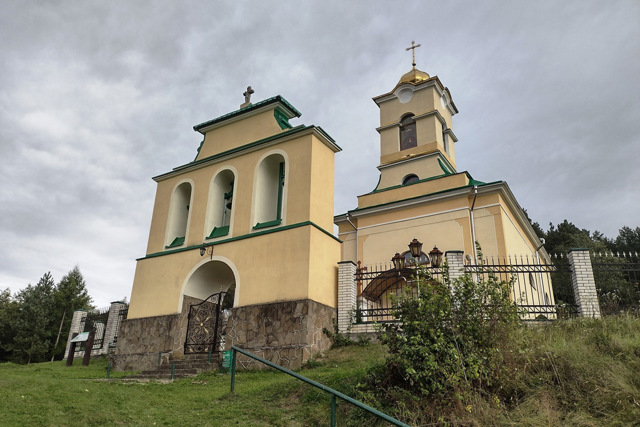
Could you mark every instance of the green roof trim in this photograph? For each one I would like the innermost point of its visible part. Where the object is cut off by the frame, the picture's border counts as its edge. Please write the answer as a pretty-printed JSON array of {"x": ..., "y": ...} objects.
[
  {"x": 470, "y": 185},
  {"x": 297, "y": 129},
  {"x": 198, "y": 151},
  {"x": 178, "y": 241},
  {"x": 267, "y": 224},
  {"x": 219, "y": 232},
  {"x": 471, "y": 182},
  {"x": 444, "y": 168},
  {"x": 276, "y": 99},
  {"x": 378, "y": 184},
  {"x": 245, "y": 236},
  {"x": 281, "y": 119}
]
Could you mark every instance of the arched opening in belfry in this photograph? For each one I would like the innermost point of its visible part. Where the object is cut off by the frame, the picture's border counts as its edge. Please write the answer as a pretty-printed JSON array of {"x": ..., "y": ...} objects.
[{"x": 210, "y": 278}]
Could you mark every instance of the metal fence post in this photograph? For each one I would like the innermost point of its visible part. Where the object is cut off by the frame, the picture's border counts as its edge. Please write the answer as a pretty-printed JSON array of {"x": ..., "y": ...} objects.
[
  {"x": 333, "y": 410},
  {"x": 233, "y": 369}
]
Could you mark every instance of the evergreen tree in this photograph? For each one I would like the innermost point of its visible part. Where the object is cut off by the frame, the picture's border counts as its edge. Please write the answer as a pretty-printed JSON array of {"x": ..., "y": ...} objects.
[
  {"x": 8, "y": 310},
  {"x": 70, "y": 294},
  {"x": 34, "y": 324}
]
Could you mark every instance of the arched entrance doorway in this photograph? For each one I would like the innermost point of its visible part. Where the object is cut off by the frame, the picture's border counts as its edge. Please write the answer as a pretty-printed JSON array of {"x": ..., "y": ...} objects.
[{"x": 207, "y": 293}]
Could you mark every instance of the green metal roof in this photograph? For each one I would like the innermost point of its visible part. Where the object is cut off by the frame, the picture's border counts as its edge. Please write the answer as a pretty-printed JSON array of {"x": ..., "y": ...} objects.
[{"x": 276, "y": 99}]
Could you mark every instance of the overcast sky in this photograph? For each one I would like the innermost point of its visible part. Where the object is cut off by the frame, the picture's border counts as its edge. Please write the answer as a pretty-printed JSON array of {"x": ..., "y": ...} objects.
[{"x": 97, "y": 97}]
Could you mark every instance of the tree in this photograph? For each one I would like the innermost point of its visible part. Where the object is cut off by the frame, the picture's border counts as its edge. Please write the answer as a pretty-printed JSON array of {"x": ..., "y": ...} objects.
[
  {"x": 628, "y": 240},
  {"x": 70, "y": 294},
  {"x": 34, "y": 324},
  {"x": 8, "y": 310}
]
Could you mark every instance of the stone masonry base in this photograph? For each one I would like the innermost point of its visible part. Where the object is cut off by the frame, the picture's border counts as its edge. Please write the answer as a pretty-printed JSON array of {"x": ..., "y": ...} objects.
[{"x": 288, "y": 333}]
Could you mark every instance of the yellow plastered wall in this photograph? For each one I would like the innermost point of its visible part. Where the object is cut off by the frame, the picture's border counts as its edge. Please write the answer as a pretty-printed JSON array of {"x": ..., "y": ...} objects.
[
  {"x": 308, "y": 194},
  {"x": 413, "y": 190},
  {"x": 290, "y": 261},
  {"x": 238, "y": 133},
  {"x": 429, "y": 129},
  {"x": 423, "y": 168},
  {"x": 270, "y": 268},
  {"x": 445, "y": 224}
]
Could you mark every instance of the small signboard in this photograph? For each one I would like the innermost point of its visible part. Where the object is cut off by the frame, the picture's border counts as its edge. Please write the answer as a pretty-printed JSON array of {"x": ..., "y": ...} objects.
[
  {"x": 81, "y": 337},
  {"x": 226, "y": 361}
]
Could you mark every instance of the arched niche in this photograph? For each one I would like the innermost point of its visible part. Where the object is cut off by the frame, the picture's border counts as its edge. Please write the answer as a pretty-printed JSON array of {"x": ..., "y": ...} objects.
[
  {"x": 220, "y": 204},
  {"x": 178, "y": 215}
]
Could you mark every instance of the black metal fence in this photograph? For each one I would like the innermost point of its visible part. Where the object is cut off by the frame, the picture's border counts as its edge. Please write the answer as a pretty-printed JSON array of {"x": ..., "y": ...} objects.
[
  {"x": 377, "y": 286},
  {"x": 532, "y": 287},
  {"x": 617, "y": 277}
]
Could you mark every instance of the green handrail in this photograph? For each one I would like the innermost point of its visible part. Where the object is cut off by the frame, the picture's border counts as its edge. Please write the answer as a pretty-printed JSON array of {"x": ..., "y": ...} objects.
[{"x": 334, "y": 393}]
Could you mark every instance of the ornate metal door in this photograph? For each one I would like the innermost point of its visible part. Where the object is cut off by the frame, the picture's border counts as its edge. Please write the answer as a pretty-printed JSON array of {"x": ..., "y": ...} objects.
[{"x": 204, "y": 326}]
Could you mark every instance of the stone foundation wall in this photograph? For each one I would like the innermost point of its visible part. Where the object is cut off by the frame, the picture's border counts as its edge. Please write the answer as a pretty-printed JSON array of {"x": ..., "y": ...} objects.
[
  {"x": 140, "y": 340},
  {"x": 288, "y": 333}
]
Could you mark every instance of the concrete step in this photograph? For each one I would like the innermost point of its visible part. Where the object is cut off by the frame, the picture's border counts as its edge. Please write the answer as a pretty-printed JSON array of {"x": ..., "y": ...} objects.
[{"x": 188, "y": 366}]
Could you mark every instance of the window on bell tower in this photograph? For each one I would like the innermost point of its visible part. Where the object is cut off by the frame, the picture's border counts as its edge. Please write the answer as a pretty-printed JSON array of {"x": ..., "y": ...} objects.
[{"x": 407, "y": 132}]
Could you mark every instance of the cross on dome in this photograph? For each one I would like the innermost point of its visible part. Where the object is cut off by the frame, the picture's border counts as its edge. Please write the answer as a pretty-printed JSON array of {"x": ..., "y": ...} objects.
[{"x": 413, "y": 51}]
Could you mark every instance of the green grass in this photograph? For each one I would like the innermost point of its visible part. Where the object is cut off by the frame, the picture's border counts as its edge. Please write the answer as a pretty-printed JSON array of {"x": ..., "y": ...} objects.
[
  {"x": 577, "y": 373},
  {"x": 52, "y": 394}
]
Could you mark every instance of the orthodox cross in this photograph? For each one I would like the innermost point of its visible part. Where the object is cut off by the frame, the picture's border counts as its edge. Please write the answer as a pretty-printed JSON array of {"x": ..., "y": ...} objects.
[
  {"x": 413, "y": 51},
  {"x": 247, "y": 94}
]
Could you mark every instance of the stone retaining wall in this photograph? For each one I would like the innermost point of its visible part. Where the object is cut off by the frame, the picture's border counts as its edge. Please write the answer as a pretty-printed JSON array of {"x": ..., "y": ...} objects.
[
  {"x": 288, "y": 333},
  {"x": 140, "y": 340}
]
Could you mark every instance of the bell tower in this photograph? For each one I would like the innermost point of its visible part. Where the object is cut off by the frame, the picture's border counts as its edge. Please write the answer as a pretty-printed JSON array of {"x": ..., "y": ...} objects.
[{"x": 416, "y": 139}]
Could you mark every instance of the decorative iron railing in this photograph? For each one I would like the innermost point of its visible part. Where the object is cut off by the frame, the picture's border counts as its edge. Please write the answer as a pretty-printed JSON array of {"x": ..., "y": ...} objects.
[
  {"x": 617, "y": 278},
  {"x": 532, "y": 287}
]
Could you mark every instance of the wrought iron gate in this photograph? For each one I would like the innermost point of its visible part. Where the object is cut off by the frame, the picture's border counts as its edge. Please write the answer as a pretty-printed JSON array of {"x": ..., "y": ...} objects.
[
  {"x": 204, "y": 325},
  {"x": 96, "y": 320}
]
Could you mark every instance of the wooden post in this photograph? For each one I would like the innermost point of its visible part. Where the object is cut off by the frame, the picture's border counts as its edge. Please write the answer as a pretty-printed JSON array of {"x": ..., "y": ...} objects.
[
  {"x": 87, "y": 348},
  {"x": 72, "y": 350}
]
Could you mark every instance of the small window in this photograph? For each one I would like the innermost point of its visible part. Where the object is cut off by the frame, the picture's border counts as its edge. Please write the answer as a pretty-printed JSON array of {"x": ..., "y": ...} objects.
[
  {"x": 407, "y": 133},
  {"x": 410, "y": 179}
]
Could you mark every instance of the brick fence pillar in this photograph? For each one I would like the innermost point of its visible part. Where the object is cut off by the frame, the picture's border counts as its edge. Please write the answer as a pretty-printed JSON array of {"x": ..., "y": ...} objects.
[
  {"x": 76, "y": 326},
  {"x": 346, "y": 294},
  {"x": 111, "y": 328},
  {"x": 584, "y": 285},
  {"x": 455, "y": 260}
]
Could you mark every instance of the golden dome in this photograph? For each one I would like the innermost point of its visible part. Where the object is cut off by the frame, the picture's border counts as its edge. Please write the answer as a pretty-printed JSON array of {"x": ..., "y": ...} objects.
[{"x": 414, "y": 76}]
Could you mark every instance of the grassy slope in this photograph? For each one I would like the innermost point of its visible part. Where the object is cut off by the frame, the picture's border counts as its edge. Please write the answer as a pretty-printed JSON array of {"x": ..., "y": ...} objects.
[
  {"x": 570, "y": 373},
  {"x": 51, "y": 394}
]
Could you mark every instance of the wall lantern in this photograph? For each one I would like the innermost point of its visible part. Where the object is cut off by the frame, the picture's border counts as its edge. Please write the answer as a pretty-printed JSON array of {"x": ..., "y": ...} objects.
[
  {"x": 398, "y": 261},
  {"x": 416, "y": 248},
  {"x": 204, "y": 249},
  {"x": 436, "y": 256}
]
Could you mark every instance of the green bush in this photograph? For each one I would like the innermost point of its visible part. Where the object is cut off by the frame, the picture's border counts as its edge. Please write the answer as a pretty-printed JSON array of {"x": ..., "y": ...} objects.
[{"x": 451, "y": 338}]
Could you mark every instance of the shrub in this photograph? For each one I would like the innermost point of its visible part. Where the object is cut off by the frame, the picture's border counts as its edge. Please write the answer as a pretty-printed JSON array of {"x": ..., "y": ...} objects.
[{"x": 451, "y": 338}]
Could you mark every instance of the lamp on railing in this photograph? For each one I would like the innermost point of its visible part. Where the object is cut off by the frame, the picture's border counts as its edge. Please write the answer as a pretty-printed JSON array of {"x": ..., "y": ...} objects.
[
  {"x": 415, "y": 247},
  {"x": 208, "y": 249},
  {"x": 398, "y": 261},
  {"x": 435, "y": 256}
]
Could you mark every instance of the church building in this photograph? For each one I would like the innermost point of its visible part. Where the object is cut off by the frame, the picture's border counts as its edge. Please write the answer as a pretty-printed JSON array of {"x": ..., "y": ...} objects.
[{"x": 241, "y": 243}]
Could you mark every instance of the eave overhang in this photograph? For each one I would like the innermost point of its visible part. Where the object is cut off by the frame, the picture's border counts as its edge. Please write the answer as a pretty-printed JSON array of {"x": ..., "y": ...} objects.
[{"x": 252, "y": 109}]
